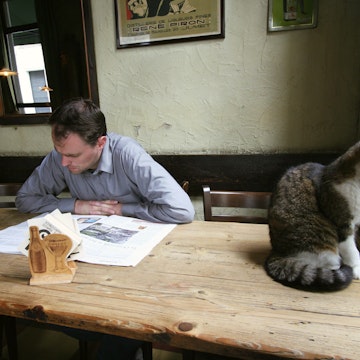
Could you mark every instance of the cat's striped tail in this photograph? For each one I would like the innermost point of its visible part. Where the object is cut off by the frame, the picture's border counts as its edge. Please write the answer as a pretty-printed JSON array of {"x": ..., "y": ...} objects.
[{"x": 291, "y": 271}]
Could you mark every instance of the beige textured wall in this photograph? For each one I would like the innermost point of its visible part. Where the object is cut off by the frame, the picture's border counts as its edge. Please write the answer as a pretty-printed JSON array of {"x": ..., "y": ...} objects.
[{"x": 250, "y": 92}]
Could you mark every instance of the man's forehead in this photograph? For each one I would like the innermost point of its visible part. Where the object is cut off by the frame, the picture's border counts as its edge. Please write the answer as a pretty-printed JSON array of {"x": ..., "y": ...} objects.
[{"x": 71, "y": 144}]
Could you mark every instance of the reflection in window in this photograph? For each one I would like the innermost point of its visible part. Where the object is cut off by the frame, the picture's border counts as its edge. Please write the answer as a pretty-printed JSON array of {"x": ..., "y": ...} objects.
[{"x": 37, "y": 80}]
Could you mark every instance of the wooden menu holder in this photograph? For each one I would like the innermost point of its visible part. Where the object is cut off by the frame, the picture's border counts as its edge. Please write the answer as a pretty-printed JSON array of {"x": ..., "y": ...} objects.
[{"x": 47, "y": 258}]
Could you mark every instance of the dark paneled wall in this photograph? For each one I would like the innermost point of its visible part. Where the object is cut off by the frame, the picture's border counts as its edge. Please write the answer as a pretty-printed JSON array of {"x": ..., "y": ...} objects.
[{"x": 236, "y": 172}]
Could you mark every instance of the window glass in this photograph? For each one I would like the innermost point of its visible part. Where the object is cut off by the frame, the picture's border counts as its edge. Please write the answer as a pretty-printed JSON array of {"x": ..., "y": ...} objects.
[
  {"x": 20, "y": 12},
  {"x": 31, "y": 36}
]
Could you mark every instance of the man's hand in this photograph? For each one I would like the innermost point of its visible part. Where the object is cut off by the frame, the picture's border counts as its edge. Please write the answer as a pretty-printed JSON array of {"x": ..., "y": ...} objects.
[{"x": 94, "y": 207}]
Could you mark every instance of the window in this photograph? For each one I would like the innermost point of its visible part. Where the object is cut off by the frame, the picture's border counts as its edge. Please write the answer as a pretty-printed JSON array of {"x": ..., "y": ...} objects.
[
  {"x": 25, "y": 56},
  {"x": 49, "y": 43}
]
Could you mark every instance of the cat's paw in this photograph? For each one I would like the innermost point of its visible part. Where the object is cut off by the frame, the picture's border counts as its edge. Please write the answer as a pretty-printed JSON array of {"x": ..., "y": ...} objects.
[{"x": 356, "y": 272}]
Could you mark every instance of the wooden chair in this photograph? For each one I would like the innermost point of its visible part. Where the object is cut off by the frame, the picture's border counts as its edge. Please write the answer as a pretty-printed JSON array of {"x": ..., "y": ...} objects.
[
  {"x": 8, "y": 192},
  {"x": 235, "y": 199},
  {"x": 185, "y": 185}
]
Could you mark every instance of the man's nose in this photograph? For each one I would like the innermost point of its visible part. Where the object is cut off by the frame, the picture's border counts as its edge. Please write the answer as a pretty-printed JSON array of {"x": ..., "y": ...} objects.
[{"x": 65, "y": 161}]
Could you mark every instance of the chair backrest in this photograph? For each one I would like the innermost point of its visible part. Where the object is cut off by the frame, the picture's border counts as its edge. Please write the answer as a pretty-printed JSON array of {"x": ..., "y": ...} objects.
[
  {"x": 185, "y": 185},
  {"x": 236, "y": 199},
  {"x": 8, "y": 192}
]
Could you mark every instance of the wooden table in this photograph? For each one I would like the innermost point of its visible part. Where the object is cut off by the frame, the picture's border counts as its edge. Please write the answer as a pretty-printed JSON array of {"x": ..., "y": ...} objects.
[{"x": 204, "y": 288}]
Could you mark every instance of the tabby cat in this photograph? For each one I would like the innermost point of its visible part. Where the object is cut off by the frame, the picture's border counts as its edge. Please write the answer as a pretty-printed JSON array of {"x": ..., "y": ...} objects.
[{"x": 313, "y": 221}]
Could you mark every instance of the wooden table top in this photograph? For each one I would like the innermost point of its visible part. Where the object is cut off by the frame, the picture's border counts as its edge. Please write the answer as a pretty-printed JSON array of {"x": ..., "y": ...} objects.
[{"x": 203, "y": 288}]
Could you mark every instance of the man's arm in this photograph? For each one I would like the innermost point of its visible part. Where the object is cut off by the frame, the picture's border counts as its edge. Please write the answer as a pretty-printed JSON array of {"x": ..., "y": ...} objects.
[
  {"x": 163, "y": 199},
  {"x": 39, "y": 192}
]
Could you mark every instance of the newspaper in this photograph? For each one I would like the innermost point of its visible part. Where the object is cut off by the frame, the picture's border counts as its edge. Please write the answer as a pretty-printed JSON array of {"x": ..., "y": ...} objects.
[
  {"x": 119, "y": 240},
  {"x": 109, "y": 240}
]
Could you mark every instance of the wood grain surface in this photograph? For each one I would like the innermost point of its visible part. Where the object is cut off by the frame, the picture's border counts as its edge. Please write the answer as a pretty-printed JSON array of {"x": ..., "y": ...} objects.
[{"x": 203, "y": 288}]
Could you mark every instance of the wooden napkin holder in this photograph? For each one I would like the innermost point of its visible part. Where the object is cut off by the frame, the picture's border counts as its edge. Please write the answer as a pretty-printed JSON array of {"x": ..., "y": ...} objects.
[{"x": 48, "y": 258}]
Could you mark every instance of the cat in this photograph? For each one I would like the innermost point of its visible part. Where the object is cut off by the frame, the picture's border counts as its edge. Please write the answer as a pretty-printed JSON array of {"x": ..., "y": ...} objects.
[{"x": 314, "y": 215}]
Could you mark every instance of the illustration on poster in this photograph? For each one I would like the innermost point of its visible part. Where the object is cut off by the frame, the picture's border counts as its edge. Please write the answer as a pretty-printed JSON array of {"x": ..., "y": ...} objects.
[{"x": 150, "y": 8}]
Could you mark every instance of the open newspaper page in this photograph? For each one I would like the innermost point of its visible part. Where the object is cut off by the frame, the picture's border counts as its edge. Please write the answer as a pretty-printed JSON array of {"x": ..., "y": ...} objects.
[
  {"x": 118, "y": 240},
  {"x": 12, "y": 237}
]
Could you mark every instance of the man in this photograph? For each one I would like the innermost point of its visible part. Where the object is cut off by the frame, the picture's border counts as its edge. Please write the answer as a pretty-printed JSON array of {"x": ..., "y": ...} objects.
[{"x": 106, "y": 174}]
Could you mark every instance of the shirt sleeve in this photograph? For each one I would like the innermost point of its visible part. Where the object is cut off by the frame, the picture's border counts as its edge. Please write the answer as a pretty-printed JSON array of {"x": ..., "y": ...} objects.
[
  {"x": 161, "y": 197},
  {"x": 40, "y": 191}
]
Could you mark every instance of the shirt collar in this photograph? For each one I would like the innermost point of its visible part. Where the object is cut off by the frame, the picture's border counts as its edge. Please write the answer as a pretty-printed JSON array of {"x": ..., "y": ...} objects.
[{"x": 105, "y": 163}]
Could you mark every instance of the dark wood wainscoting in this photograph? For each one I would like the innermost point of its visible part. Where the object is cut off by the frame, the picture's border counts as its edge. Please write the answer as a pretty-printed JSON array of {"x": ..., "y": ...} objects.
[{"x": 236, "y": 172}]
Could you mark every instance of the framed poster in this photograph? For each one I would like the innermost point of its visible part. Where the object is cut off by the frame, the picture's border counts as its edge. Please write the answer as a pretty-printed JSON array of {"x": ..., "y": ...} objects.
[
  {"x": 151, "y": 22},
  {"x": 292, "y": 14}
]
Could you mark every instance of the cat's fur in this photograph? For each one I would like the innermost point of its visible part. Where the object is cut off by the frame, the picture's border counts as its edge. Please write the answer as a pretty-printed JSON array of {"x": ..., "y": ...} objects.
[{"x": 313, "y": 221}]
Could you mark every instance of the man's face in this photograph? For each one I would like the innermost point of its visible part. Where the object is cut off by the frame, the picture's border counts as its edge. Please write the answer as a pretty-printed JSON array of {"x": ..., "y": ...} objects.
[{"x": 77, "y": 155}]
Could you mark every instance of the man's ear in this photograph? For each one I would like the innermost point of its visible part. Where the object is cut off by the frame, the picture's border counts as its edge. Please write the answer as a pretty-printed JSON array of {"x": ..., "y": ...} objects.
[{"x": 101, "y": 141}]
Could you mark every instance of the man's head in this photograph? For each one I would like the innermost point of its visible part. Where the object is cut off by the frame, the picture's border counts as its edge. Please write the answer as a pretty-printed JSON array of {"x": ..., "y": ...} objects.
[
  {"x": 79, "y": 134},
  {"x": 81, "y": 117}
]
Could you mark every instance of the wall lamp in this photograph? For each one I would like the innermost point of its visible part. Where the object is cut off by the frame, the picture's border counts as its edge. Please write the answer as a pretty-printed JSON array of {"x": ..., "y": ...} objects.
[{"x": 7, "y": 72}]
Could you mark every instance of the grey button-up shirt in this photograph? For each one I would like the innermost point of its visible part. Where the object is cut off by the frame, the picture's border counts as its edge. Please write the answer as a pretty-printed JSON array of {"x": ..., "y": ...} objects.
[{"x": 126, "y": 173}]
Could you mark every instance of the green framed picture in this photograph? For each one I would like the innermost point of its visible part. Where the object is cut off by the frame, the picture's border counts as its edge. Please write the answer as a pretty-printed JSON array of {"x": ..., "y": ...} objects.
[{"x": 292, "y": 14}]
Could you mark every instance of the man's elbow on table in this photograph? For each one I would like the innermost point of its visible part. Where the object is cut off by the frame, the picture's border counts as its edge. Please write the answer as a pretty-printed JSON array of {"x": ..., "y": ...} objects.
[
  {"x": 20, "y": 204},
  {"x": 183, "y": 216}
]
